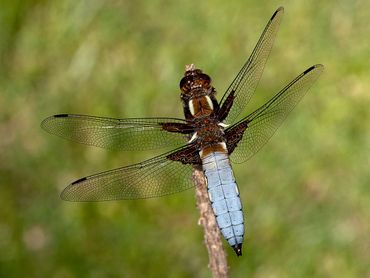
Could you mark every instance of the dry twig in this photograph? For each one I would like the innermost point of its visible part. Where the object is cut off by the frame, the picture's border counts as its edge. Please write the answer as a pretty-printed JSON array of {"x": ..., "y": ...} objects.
[{"x": 212, "y": 236}]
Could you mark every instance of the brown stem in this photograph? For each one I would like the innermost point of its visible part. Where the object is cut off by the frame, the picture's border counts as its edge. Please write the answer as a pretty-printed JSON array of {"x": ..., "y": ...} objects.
[{"x": 212, "y": 236}]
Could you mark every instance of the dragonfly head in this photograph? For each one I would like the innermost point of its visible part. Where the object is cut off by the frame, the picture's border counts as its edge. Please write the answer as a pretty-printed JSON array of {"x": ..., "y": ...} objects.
[
  {"x": 197, "y": 93},
  {"x": 195, "y": 83}
]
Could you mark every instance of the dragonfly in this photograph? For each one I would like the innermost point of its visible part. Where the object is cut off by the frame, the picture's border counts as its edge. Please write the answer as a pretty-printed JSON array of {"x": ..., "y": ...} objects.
[{"x": 211, "y": 135}]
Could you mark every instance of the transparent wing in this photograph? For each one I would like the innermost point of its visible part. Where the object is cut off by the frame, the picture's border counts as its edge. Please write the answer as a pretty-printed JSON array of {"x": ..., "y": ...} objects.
[
  {"x": 155, "y": 177},
  {"x": 247, "y": 79},
  {"x": 122, "y": 134},
  {"x": 263, "y": 122}
]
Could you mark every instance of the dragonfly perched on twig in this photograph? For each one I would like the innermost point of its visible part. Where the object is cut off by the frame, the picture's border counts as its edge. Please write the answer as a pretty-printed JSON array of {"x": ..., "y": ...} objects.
[{"x": 211, "y": 135}]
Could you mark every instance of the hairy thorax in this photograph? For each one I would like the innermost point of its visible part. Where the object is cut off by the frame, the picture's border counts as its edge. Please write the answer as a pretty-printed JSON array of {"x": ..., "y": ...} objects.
[{"x": 208, "y": 131}]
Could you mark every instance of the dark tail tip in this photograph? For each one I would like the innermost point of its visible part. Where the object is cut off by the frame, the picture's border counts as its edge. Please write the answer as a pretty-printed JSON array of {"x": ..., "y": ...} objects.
[{"x": 238, "y": 249}]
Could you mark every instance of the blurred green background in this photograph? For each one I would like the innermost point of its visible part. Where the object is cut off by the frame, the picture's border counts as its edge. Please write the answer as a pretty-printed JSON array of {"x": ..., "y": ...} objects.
[{"x": 306, "y": 194}]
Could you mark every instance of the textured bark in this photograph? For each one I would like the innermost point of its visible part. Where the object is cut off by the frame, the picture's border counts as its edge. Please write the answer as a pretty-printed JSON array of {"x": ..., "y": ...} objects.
[{"x": 212, "y": 235}]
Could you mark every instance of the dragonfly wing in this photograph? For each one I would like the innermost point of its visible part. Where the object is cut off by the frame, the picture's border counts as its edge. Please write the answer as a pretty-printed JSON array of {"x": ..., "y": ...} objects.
[
  {"x": 121, "y": 134},
  {"x": 262, "y": 123},
  {"x": 155, "y": 177},
  {"x": 247, "y": 79}
]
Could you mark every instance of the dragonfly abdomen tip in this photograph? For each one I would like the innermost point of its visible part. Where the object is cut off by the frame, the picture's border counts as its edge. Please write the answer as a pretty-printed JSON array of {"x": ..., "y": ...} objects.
[{"x": 238, "y": 249}]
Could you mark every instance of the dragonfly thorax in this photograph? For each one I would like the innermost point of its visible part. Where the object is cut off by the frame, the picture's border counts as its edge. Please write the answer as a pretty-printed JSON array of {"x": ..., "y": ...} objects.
[{"x": 197, "y": 94}]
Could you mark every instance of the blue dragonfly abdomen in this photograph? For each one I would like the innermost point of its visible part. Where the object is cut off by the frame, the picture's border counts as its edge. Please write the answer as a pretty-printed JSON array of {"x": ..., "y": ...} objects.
[{"x": 224, "y": 196}]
